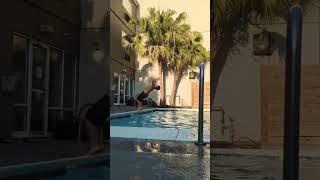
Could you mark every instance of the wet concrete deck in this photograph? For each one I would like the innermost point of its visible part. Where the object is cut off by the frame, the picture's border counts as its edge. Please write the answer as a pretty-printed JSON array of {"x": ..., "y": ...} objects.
[{"x": 145, "y": 160}]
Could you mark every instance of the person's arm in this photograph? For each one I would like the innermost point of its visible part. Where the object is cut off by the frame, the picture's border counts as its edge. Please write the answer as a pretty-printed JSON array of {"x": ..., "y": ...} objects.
[{"x": 147, "y": 90}]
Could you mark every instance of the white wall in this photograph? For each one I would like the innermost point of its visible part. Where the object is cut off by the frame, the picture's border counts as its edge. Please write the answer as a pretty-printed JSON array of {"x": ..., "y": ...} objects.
[{"x": 199, "y": 18}]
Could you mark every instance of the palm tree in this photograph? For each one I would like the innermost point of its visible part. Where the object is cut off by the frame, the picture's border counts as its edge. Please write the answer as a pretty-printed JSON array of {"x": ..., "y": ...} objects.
[
  {"x": 230, "y": 20},
  {"x": 186, "y": 52},
  {"x": 157, "y": 28}
]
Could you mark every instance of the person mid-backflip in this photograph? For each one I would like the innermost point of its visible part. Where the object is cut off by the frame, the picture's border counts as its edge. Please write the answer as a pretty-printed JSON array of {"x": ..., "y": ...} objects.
[{"x": 144, "y": 94}]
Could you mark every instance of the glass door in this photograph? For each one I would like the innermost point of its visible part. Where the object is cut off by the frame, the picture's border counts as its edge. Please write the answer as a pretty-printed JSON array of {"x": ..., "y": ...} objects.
[
  {"x": 122, "y": 89},
  {"x": 55, "y": 86},
  {"x": 20, "y": 66},
  {"x": 38, "y": 91}
]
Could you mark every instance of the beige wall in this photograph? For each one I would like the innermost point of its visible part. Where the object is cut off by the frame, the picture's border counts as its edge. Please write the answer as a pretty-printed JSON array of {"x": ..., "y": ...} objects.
[
  {"x": 239, "y": 86},
  {"x": 199, "y": 18},
  {"x": 144, "y": 75}
]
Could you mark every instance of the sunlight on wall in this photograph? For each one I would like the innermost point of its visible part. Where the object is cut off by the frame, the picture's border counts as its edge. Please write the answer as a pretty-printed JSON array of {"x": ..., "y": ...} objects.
[
  {"x": 199, "y": 19},
  {"x": 198, "y": 13}
]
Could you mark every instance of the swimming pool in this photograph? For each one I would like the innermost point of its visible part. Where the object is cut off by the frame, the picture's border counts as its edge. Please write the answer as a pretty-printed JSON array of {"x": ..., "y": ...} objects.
[{"x": 158, "y": 124}]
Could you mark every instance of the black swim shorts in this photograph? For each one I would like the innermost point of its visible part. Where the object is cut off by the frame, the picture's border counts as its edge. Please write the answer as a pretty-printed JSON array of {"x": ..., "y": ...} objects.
[
  {"x": 142, "y": 96},
  {"x": 97, "y": 114}
]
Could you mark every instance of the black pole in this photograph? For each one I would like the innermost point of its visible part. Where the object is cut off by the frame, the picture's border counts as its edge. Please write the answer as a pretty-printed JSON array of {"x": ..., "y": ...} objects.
[
  {"x": 292, "y": 95},
  {"x": 200, "y": 116}
]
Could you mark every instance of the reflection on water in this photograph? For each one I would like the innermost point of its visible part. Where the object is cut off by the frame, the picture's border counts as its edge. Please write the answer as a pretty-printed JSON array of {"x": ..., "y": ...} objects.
[
  {"x": 159, "y": 166},
  {"x": 158, "y": 160},
  {"x": 164, "y": 119}
]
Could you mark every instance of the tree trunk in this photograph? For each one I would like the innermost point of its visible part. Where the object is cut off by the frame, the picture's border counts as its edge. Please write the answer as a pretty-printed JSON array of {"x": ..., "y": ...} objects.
[
  {"x": 177, "y": 76},
  {"x": 161, "y": 79},
  {"x": 164, "y": 83}
]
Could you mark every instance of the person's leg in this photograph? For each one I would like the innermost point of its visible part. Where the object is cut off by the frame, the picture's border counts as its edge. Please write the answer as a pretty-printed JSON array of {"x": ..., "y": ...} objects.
[
  {"x": 102, "y": 137},
  {"x": 93, "y": 133},
  {"x": 139, "y": 104}
]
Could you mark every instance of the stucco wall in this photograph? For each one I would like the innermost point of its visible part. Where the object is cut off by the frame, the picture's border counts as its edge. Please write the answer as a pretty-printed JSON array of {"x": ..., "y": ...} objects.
[
  {"x": 199, "y": 19},
  {"x": 239, "y": 86},
  {"x": 93, "y": 74},
  {"x": 146, "y": 71}
]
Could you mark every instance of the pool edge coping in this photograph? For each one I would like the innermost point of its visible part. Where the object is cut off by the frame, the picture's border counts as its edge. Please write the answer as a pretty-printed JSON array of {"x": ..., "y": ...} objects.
[{"x": 123, "y": 114}]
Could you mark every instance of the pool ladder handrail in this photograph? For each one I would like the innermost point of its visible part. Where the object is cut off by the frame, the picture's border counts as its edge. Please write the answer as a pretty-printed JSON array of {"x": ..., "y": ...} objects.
[{"x": 201, "y": 99}]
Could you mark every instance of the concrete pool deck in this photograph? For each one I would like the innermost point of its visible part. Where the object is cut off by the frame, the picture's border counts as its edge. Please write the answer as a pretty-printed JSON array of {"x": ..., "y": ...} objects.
[
  {"x": 137, "y": 159},
  {"x": 140, "y": 160}
]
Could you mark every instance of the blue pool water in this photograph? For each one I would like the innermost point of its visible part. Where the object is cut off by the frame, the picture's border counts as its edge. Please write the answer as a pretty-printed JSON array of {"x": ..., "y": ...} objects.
[
  {"x": 180, "y": 125},
  {"x": 163, "y": 119}
]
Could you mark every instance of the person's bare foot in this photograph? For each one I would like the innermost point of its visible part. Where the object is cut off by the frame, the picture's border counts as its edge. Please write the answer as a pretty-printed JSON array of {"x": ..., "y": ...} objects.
[{"x": 95, "y": 150}]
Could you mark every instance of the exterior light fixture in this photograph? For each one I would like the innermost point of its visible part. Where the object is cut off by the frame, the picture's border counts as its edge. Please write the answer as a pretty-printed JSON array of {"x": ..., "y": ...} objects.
[
  {"x": 262, "y": 43},
  {"x": 192, "y": 75},
  {"x": 98, "y": 53}
]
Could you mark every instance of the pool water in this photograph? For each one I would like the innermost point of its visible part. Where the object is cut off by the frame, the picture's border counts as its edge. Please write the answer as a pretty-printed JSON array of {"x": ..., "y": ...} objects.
[
  {"x": 180, "y": 125},
  {"x": 163, "y": 119}
]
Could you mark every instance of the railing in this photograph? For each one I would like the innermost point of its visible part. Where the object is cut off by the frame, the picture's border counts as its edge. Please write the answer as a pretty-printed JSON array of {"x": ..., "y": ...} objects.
[{"x": 201, "y": 96}]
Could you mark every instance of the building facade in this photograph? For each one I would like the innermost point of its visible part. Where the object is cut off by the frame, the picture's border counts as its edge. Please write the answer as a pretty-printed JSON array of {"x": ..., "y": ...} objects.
[
  {"x": 104, "y": 33},
  {"x": 58, "y": 56},
  {"x": 122, "y": 61},
  {"x": 39, "y": 60}
]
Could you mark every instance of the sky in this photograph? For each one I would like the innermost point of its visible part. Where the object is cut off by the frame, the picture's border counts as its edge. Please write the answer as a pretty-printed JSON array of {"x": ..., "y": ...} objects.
[{"x": 198, "y": 13}]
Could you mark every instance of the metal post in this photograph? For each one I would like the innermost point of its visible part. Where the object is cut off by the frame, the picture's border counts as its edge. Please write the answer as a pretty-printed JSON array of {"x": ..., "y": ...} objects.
[
  {"x": 200, "y": 117},
  {"x": 292, "y": 95}
]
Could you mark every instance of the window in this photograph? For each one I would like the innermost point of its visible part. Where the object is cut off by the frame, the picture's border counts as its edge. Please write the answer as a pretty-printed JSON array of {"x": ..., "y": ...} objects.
[
  {"x": 124, "y": 40},
  {"x": 69, "y": 81},
  {"x": 115, "y": 88},
  {"x": 40, "y": 67},
  {"x": 55, "y": 77},
  {"x": 131, "y": 87},
  {"x": 122, "y": 92},
  {"x": 122, "y": 89},
  {"x": 62, "y": 87},
  {"x": 127, "y": 87},
  {"x": 20, "y": 63},
  {"x": 55, "y": 70},
  {"x": 20, "y": 56},
  {"x": 130, "y": 7}
]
